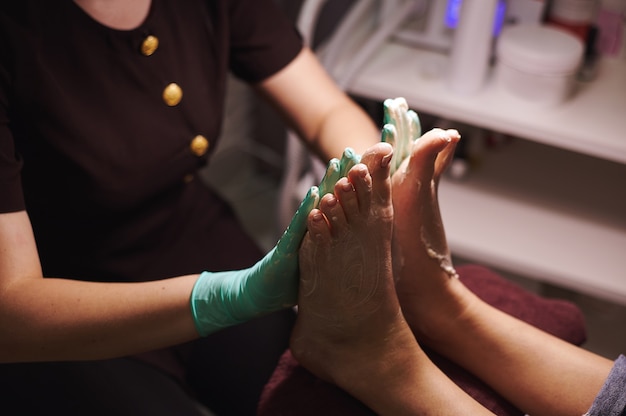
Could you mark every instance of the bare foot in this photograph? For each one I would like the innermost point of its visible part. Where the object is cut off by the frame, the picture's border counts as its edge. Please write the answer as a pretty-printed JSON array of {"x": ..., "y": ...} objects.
[
  {"x": 350, "y": 329},
  {"x": 348, "y": 309},
  {"x": 426, "y": 281}
]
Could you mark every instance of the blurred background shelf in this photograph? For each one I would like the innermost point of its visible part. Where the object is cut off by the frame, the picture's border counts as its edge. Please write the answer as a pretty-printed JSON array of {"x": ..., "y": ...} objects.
[
  {"x": 593, "y": 122},
  {"x": 541, "y": 212}
]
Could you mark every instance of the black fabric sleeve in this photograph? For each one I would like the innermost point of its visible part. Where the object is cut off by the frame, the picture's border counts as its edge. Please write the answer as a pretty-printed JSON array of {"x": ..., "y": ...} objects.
[
  {"x": 263, "y": 39},
  {"x": 11, "y": 194}
]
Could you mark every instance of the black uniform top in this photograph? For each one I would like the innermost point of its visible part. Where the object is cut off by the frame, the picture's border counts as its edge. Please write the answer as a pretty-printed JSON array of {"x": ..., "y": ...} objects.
[{"x": 102, "y": 157}]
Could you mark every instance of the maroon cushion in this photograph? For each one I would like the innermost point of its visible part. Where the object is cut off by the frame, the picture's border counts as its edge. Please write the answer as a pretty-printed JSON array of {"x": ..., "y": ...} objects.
[{"x": 292, "y": 390}]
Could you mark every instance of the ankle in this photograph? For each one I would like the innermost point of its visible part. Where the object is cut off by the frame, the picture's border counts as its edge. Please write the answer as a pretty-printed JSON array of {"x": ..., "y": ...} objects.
[
  {"x": 354, "y": 367},
  {"x": 438, "y": 318},
  {"x": 350, "y": 361}
]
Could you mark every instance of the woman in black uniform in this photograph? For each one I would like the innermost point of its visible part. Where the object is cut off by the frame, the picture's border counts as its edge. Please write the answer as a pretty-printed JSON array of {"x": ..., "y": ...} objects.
[{"x": 108, "y": 110}]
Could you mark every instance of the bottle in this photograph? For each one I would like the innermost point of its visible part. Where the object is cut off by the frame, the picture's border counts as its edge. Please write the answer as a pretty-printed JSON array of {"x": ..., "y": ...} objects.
[
  {"x": 472, "y": 46},
  {"x": 574, "y": 16},
  {"x": 610, "y": 20}
]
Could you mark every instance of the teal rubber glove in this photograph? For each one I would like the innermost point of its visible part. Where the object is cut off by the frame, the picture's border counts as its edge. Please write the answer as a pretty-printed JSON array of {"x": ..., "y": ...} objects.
[
  {"x": 402, "y": 128},
  {"x": 337, "y": 169},
  {"x": 222, "y": 299}
]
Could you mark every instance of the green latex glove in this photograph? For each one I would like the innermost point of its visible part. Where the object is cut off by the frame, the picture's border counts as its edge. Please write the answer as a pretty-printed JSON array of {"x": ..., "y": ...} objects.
[
  {"x": 402, "y": 128},
  {"x": 223, "y": 299},
  {"x": 337, "y": 169}
]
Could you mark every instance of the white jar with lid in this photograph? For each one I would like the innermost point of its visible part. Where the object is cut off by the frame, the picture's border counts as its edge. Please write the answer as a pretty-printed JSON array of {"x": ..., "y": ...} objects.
[{"x": 538, "y": 63}]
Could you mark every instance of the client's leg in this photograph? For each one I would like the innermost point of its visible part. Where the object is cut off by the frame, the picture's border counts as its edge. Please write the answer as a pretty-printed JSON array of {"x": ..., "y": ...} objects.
[
  {"x": 420, "y": 249},
  {"x": 539, "y": 373},
  {"x": 350, "y": 330}
]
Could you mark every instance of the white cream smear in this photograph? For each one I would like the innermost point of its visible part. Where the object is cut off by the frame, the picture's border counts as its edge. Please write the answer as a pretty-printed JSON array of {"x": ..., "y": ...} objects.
[{"x": 444, "y": 260}]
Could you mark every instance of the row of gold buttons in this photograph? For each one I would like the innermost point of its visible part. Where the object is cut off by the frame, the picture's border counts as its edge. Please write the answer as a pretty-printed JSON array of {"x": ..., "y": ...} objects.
[{"x": 172, "y": 95}]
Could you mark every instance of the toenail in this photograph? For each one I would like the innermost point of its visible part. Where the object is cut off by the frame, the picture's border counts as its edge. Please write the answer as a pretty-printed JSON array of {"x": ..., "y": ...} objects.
[
  {"x": 347, "y": 187},
  {"x": 386, "y": 160},
  {"x": 445, "y": 136},
  {"x": 453, "y": 133},
  {"x": 361, "y": 169},
  {"x": 331, "y": 201}
]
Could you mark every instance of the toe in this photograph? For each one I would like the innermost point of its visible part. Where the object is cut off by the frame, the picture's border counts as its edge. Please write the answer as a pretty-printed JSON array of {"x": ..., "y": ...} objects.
[
  {"x": 346, "y": 193},
  {"x": 318, "y": 227},
  {"x": 431, "y": 153},
  {"x": 361, "y": 180},
  {"x": 377, "y": 159},
  {"x": 334, "y": 214}
]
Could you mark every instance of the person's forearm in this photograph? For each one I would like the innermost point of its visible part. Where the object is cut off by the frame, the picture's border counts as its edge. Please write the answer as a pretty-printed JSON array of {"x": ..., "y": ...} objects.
[
  {"x": 347, "y": 125},
  {"x": 63, "y": 319},
  {"x": 328, "y": 121}
]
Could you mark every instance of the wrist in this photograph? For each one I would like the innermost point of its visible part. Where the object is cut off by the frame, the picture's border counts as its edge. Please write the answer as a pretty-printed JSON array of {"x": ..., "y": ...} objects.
[{"x": 215, "y": 300}]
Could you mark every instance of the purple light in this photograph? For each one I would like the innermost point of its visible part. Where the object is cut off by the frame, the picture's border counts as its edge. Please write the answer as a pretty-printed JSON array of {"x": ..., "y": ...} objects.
[{"x": 453, "y": 12}]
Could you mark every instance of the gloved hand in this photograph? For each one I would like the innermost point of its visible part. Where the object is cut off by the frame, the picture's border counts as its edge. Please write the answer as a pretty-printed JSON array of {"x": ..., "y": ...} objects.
[
  {"x": 402, "y": 128},
  {"x": 222, "y": 299}
]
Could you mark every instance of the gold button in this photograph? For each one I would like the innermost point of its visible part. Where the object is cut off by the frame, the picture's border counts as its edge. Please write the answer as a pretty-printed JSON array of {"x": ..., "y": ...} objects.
[
  {"x": 149, "y": 45},
  {"x": 199, "y": 145},
  {"x": 172, "y": 94},
  {"x": 188, "y": 178}
]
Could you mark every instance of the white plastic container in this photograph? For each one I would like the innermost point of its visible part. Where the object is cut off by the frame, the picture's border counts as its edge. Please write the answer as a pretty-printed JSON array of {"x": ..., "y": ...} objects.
[
  {"x": 471, "y": 46},
  {"x": 538, "y": 63}
]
